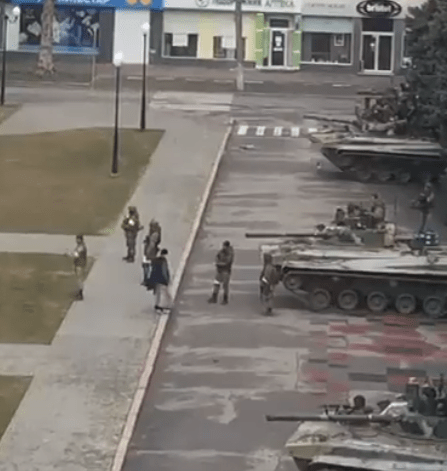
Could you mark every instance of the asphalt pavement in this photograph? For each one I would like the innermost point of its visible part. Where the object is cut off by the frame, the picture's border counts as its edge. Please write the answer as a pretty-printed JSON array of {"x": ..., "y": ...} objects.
[{"x": 224, "y": 367}]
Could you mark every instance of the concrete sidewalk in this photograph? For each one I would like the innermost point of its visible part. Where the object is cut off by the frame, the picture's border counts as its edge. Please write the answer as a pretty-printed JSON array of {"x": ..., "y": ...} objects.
[{"x": 72, "y": 416}]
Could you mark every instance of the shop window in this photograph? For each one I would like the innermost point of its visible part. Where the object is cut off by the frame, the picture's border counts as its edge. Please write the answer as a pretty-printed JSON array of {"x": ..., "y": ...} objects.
[
  {"x": 180, "y": 45},
  {"x": 327, "y": 48},
  {"x": 72, "y": 27},
  {"x": 224, "y": 47}
]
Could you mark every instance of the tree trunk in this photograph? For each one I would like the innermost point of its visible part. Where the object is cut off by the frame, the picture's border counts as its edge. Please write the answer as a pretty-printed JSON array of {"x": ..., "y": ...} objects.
[{"x": 45, "y": 63}]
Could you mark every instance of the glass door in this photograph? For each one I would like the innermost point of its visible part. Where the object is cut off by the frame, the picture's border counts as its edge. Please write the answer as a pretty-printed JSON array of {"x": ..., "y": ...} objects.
[
  {"x": 377, "y": 52},
  {"x": 278, "y": 46},
  {"x": 369, "y": 52}
]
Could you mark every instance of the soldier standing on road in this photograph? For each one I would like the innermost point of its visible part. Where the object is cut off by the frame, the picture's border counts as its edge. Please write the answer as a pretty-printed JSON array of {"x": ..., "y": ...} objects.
[
  {"x": 424, "y": 204},
  {"x": 223, "y": 261},
  {"x": 80, "y": 263},
  {"x": 268, "y": 280},
  {"x": 150, "y": 248},
  {"x": 131, "y": 226}
]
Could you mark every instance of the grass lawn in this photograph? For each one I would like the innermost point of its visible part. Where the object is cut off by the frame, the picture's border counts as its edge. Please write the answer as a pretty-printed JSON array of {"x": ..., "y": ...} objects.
[
  {"x": 36, "y": 291},
  {"x": 6, "y": 111},
  {"x": 60, "y": 182},
  {"x": 12, "y": 390}
]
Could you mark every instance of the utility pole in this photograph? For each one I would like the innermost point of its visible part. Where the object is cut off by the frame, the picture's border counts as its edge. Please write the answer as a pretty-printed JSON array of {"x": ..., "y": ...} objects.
[{"x": 239, "y": 46}]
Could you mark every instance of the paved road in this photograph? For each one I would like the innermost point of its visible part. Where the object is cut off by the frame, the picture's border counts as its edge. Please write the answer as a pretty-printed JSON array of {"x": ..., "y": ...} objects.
[{"x": 223, "y": 368}]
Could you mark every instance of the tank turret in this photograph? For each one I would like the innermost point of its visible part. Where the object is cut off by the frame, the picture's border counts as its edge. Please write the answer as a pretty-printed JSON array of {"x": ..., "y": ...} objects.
[{"x": 400, "y": 434}]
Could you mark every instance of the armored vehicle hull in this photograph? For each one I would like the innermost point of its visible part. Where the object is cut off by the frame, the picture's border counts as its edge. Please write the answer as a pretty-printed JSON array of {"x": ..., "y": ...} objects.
[
  {"x": 354, "y": 277},
  {"x": 386, "y": 159}
]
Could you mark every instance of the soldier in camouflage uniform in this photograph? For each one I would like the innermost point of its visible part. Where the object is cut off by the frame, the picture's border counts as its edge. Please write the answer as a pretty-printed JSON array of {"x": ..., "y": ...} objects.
[
  {"x": 80, "y": 264},
  {"x": 268, "y": 280},
  {"x": 223, "y": 261},
  {"x": 131, "y": 226}
]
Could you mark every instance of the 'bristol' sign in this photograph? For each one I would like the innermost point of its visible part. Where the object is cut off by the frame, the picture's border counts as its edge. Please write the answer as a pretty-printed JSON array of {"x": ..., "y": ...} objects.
[{"x": 379, "y": 8}]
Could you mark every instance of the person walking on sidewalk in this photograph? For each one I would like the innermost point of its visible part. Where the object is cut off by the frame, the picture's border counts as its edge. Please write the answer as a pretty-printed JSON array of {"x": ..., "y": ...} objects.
[
  {"x": 150, "y": 248},
  {"x": 223, "y": 262},
  {"x": 131, "y": 226},
  {"x": 268, "y": 280},
  {"x": 80, "y": 264},
  {"x": 159, "y": 281}
]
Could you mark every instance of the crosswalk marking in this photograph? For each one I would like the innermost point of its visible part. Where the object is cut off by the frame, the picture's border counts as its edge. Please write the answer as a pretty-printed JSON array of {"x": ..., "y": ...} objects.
[
  {"x": 248, "y": 130},
  {"x": 242, "y": 130},
  {"x": 277, "y": 131}
]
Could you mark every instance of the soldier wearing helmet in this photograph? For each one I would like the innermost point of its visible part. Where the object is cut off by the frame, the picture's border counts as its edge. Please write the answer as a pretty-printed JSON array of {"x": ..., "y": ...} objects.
[
  {"x": 223, "y": 262},
  {"x": 424, "y": 203},
  {"x": 268, "y": 280},
  {"x": 131, "y": 226}
]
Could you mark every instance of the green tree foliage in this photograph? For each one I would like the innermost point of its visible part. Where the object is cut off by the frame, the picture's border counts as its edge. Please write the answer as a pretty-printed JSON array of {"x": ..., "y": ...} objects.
[{"x": 427, "y": 77}]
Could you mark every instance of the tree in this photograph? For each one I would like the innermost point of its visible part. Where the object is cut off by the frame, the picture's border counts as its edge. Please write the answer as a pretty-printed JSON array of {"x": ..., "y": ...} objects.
[
  {"x": 45, "y": 64},
  {"x": 427, "y": 77}
]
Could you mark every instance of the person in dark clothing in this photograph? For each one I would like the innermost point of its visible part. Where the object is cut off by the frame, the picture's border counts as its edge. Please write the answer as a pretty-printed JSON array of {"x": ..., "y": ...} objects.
[
  {"x": 378, "y": 210},
  {"x": 80, "y": 265},
  {"x": 223, "y": 262},
  {"x": 150, "y": 248},
  {"x": 424, "y": 203},
  {"x": 159, "y": 281}
]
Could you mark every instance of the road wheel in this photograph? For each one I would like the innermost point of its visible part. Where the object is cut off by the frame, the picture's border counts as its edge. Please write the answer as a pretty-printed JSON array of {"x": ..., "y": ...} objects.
[
  {"x": 433, "y": 306},
  {"x": 405, "y": 303},
  {"x": 292, "y": 282},
  {"x": 364, "y": 174},
  {"x": 403, "y": 176},
  {"x": 320, "y": 299},
  {"x": 376, "y": 301},
  {"x": 348, "y": 300},
  {"x": 383, "y": 175}
]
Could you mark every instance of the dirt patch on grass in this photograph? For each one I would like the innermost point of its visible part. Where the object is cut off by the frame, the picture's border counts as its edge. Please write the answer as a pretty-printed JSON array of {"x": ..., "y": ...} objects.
[
  {"x": 12, "y": 390},
  {"x": 60, "y": 182},
  {"x": 6, "y": 111},
  {"x": 36, "y": 291}
]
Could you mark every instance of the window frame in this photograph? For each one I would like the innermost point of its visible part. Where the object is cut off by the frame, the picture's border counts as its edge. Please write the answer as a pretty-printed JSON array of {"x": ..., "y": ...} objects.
[{"x": 189, "y": 35}]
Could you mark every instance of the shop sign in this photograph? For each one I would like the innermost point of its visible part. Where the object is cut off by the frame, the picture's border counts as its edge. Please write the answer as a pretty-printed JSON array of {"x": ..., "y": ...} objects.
[
  {"x": 379, "y": 8},
  {"x": 250, "y": 3},
  {"x": 157, "y": 5},
  {"x": 343, "y": 8}
]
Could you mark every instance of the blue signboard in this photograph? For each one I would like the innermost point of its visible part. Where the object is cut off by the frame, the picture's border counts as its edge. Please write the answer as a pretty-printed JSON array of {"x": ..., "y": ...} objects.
[{"x": 155, "y": 5}]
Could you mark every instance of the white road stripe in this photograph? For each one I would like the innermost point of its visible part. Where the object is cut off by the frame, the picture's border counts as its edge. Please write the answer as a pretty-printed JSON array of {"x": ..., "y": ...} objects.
[
  {"x": 260, "y": 130},
  {"x": 295, "y": 132},
  {"x": 311, "y": 130},
  {"x": 277, "y": 131},
  {"x": 242, "y": 130}
]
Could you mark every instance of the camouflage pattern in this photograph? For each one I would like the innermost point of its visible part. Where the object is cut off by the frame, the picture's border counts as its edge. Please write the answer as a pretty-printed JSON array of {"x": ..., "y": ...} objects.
[
  {"x": 223, "y": 262},
  {"x": 131, "y": 226},
  {"x": 80, "y": 264}
]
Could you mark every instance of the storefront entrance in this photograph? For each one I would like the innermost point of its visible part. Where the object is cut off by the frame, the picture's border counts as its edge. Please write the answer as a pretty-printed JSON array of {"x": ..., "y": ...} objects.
[
  {"x": 377, "y": 48},
  {"x": 377, "y": 52},
  {"x": 278, "y": 48}
]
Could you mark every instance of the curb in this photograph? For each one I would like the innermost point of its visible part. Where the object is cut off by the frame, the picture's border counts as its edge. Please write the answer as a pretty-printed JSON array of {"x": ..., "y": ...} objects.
[{"x": 163, "y": 319}]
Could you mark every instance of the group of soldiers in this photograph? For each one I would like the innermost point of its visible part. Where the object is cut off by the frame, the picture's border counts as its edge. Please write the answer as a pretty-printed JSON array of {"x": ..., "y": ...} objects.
[{"x": 156, "y": 275}]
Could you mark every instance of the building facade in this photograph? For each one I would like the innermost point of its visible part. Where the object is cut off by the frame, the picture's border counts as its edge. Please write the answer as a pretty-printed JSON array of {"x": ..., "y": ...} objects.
[
  {"x": 203, "y": 31},
  {"x": 357, "y": 36},
  {"x": 87, "y": 27}
]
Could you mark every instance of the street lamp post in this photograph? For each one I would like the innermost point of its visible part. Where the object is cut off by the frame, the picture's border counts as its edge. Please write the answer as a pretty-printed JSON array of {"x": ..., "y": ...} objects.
[
  {"x": 6, "y": 19},
  {"x": 117, "y": 62},
  {"x": 145, "y": 30}
]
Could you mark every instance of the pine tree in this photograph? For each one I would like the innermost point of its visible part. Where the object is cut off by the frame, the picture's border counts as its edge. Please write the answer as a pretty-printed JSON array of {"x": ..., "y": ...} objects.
[{"x": 427, "y": 77}]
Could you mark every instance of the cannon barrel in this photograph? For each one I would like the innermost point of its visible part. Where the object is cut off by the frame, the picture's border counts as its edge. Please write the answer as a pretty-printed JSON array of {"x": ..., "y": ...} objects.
[
  {"x": 352, "y": 418},
  {"x": 276, "y": 235},
  {"x": 330, "y": 120}
]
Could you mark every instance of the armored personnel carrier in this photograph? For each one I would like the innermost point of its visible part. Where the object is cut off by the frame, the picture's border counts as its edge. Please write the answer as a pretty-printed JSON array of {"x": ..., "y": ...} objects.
[
  {"x": 407, "y": 433},
  {"x": 386, "y": 158},
  {"x": 355, "y": 265}
]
